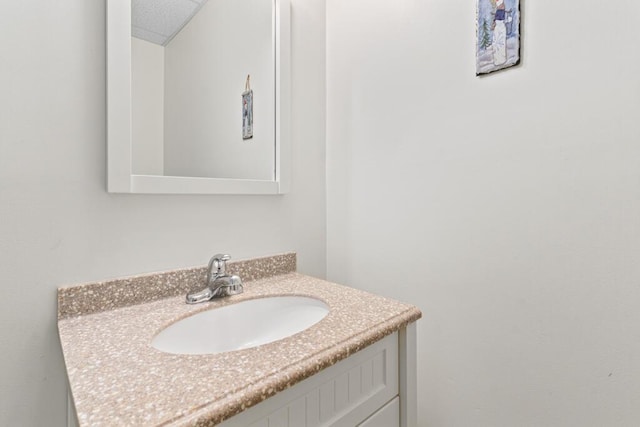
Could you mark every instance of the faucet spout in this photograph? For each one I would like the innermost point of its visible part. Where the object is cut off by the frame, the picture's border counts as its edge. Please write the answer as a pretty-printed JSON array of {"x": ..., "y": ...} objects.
[{"x": 227, "y": 285}]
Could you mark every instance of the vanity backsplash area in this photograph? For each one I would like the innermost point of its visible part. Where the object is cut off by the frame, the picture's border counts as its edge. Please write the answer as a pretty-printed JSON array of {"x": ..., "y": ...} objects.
[{"x": 352, "y": 364}]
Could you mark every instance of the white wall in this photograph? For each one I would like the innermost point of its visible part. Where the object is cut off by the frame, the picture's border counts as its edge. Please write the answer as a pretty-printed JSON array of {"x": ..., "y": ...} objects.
[
  {"x": 206, "y": 67},
  {"x": 147, "y": 107},
  {"x": 58, "y": 225},
  {"x": 506, "y": 207}
]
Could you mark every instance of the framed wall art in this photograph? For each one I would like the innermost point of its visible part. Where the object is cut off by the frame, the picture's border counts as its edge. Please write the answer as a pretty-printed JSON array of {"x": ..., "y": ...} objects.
[{"x": 497, "y": 35}]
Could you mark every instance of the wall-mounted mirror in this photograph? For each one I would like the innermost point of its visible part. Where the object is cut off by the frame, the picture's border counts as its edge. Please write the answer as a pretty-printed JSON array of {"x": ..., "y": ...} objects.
[{"x": 198, "y": 96}]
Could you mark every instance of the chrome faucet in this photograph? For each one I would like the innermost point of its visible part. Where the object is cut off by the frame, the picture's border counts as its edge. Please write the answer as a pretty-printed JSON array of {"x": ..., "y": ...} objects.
[{"x": 219, "y": 283}]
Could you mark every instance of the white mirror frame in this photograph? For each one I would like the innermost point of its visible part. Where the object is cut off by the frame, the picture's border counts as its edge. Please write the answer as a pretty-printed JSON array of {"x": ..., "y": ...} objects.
[{"x": 120, "y": 177}]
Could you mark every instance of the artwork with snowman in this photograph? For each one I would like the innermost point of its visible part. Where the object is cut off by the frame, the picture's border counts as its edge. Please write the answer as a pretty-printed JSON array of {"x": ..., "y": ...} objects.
[{"x": 498, "y": 35}]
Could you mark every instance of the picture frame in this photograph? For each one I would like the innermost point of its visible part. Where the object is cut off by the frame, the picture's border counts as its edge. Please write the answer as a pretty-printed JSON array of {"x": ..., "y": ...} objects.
[{"x": 497, "y": 35}]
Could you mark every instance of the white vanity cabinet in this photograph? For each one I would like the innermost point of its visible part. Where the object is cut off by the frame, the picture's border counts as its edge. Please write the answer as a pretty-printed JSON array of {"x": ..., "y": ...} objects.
[{"x": 374, "y": 387}]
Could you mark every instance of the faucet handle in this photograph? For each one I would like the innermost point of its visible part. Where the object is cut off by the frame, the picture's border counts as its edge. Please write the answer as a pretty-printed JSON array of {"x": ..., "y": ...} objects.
[{"x": 218, "y": 264}]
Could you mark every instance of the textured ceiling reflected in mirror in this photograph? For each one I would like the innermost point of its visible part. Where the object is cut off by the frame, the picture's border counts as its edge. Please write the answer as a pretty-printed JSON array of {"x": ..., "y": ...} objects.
[{"x": 158, "y": 21}]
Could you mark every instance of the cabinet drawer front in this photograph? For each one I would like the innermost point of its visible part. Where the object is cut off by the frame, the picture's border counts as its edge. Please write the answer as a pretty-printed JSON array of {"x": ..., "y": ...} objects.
[
  {"x": 342, "y": 395},
  {"x": 388, "y": 416}
]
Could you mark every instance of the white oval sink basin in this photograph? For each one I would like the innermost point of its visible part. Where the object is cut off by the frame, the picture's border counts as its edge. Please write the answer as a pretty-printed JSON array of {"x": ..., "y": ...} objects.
[{"x": 242, "y": 325}]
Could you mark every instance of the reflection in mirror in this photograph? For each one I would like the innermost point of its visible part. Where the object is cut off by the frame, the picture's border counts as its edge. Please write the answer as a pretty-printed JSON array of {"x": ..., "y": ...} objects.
[{"x": 189, "y": 64}]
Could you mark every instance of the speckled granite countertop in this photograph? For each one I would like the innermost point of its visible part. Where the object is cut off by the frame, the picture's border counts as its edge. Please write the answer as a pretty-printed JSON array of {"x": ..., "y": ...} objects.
[{"x": 117, "y": 378}]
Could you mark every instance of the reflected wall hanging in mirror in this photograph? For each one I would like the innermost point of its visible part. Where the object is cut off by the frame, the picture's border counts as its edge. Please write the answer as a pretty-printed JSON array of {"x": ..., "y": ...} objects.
[
  {"x": 247, "y": 110},
  {"x": 173, "y": 71},
  {"x": 497, "y": 35}
]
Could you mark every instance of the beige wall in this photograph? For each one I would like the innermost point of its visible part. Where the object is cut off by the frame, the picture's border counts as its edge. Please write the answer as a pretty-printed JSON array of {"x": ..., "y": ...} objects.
[
  {"x": 58, "y": 225},
  {"x": 506, "y": 207}
]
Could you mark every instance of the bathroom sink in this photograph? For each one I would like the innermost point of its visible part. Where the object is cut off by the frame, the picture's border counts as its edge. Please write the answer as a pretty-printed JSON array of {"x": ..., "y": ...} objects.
[{"x": 242, "y": 325}]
